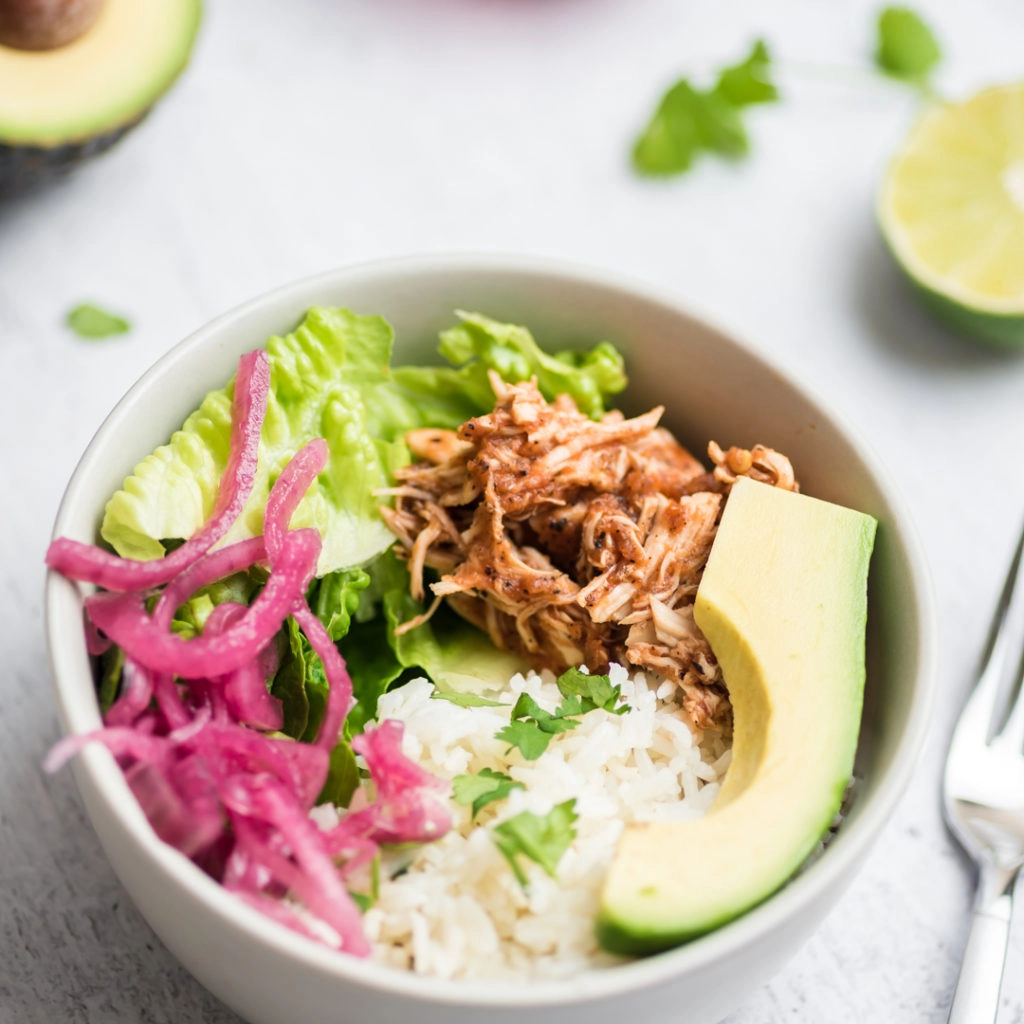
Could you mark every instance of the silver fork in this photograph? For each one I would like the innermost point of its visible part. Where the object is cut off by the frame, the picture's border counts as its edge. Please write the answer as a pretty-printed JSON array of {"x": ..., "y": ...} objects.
[{"x": 983, "y": 794}]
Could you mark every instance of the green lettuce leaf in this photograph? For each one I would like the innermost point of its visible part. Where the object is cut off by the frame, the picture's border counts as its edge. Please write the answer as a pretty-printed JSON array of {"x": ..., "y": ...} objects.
[
  {"x": 589, "y": 377},
  {"x": 290, "y": 681},
  {"x": 300, "y": 683},
  {"x": 372, "y": 666},
  {"x": 111, "y": 668},
  {"x": 342, "y": 777},
  {"x": 335, "y": 599},
  {"x": 456, "y": 656},
  {"x": 330, "y": 379}
]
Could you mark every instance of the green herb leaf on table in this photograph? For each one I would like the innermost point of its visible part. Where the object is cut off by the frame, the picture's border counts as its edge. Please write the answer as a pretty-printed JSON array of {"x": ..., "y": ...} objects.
[
  {"x": 749, "y": 81},
  {"x": 906, "y": 46},
  {"x": 689, "y": 121},
  {"x": 540, "y": 838},
  {"x": 89, "y": 321},
  {"x": 481, "y": 789}
]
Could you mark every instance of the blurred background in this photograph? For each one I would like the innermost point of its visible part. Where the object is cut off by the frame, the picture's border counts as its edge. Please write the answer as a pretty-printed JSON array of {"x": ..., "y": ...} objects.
[{"x": 309, "y": 134}]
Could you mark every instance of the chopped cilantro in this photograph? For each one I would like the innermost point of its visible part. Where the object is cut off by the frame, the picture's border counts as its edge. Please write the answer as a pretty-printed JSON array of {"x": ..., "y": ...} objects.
[
  {"x": 482, "y": 789},
  {"x": 590, "y": 692},
  {"x": 532, "y": 727},
  {"x": 542, "y": 839},
  {"x": 531, "y": 740}
]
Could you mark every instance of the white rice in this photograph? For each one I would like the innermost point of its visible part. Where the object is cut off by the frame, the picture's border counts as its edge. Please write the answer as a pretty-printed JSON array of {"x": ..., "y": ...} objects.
[{"x": 458, "y": 911}]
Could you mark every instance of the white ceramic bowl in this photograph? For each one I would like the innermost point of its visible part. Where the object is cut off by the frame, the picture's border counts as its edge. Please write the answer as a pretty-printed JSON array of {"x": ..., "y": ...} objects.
[{"x": 713, "y": 386}]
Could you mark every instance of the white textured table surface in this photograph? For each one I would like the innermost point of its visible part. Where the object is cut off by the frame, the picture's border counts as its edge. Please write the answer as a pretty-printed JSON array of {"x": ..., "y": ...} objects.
[{"x": 309, "y": 134}]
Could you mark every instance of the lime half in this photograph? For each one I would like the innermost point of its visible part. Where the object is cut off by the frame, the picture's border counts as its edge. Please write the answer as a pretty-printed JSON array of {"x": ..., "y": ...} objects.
[{"x": 952, "y": 211}]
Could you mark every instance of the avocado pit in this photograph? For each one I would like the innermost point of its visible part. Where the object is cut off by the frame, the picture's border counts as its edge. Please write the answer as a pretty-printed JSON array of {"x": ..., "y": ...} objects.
[
  {"x": 45, "y": 24},
  {"x": 76, "y": 75}
]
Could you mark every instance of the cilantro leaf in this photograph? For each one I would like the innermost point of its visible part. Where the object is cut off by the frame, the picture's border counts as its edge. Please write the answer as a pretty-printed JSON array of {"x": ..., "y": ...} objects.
[
  {"x": 89, "y": 321},
  {"x": 686, "y": 122},
  {"x": 670, "y": 141},
  {"x": 527, "y": 708},
  {"x": 542, "y": 839},
  {"x": 466, "y": 700},
  {"x": 482, "y": 789},
  {"x": 749, "y": 81},
  {"x": 689, "y": 121},
  {"x": 527, "y": 736},
  {"x": 532, "y": 727},
  {"x": 906, "y": 47},
  {"x": 584, "y": 692}
]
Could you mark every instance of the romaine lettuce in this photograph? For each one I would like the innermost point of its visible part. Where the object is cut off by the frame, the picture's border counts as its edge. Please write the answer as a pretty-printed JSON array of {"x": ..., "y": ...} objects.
[
  {"x": 589, "y": 377},
  {"x": 331, "y": 378}
]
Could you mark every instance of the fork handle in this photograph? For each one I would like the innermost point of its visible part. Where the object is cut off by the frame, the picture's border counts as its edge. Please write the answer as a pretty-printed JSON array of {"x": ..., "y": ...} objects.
[{"x": 976, "y": 1000}]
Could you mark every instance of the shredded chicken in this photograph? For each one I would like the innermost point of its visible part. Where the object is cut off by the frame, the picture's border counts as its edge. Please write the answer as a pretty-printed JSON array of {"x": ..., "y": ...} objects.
[{"x": 573, "y": 541}]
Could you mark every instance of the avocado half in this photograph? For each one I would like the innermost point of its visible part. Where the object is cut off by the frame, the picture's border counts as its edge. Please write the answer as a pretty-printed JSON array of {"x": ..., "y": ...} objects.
[
  {"x": 61, "y": 106},
  {"x": 783, "y": 603}
]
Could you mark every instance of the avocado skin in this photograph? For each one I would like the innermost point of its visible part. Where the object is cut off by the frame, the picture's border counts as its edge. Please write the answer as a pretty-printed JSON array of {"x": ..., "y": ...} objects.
[
  {"x": 627, "y": 939},
  {"x": 24, "y": 168}
]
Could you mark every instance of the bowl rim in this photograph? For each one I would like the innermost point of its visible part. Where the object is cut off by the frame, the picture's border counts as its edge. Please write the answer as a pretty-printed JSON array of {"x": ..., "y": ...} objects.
[{"x": 811, "y": 886}]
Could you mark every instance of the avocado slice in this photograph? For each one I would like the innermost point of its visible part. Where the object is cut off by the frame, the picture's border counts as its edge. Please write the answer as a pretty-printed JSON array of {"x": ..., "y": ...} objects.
[
  {"x": 60, "y": 106},
  {"x": 783, "y": 603}
]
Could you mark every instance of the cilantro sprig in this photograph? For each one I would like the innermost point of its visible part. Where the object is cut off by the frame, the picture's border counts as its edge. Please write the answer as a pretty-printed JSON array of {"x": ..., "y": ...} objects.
[
  {"x": 531, "y": 727},
  {"x": 540, "y": 838},
  {"x": 690, "y": 121}
]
